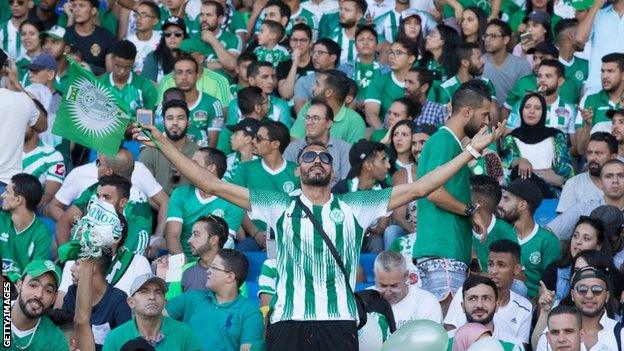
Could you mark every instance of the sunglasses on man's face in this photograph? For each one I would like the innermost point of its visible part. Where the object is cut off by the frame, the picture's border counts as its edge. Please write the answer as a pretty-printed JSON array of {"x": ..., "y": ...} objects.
[
  {"x": 583, "y": 289},
  {"x": 310, "y": 156}
]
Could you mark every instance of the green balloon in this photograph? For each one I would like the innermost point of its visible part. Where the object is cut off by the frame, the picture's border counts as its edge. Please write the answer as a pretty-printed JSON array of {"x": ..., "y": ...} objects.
[{"x": 418, "y": 335}]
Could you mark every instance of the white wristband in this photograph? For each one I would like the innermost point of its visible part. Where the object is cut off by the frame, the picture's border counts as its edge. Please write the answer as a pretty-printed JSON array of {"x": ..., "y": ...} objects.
[{"x": 473, "y": 151}]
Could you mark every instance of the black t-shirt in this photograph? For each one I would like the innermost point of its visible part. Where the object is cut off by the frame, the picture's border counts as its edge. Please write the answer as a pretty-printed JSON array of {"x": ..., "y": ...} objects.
[
  {"x": 94, "y": 47},
  {"x": 47, "y": 24},
  {"x": 111, "y": 311},
  {"x": 284, "y": 67}
]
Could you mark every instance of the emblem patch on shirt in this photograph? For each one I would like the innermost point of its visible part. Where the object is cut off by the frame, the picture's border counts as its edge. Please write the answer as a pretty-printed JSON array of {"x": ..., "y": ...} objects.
[
  {"x": 218, "y": 212},
  {"x": 95, "y": 50},
  {"x": 337, "y": 216},
  {"x": 288, "y": 187},
  {"x": 535, "y": 258}
]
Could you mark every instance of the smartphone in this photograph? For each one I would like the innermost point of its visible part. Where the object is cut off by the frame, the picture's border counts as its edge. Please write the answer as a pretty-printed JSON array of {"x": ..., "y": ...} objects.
[
  {"x": 174, "y": 273},
  {"x": 145, "y": 117},
  {"x": 526, "y": 36}
]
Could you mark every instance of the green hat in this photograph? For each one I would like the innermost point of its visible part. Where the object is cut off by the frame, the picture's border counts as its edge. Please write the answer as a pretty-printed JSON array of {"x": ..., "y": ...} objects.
[
  {"x": 581, "y": 5},
  {"x": 192, "y": 45},
  {"x": 56, "y": 33},
  {"x": 37, "y": 268}
]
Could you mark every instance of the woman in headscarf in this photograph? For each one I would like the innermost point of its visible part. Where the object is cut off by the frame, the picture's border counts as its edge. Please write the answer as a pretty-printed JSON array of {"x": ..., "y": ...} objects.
[
  {"x": 536, "y": 152},
  {"x": 468, "y": 334}
]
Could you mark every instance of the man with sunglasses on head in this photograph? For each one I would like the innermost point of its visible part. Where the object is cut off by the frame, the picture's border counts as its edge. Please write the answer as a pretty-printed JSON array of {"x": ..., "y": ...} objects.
[
  {"x": 590, "y": 293},
  {"x": 219, "y": 316},
  {"x": 307, "y": 273}
]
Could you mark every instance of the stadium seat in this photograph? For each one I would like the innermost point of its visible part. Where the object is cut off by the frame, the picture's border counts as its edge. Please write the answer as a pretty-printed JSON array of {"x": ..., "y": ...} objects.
[
  {"x": 362, "y": 286},
  {"x": 252, "y": 291},
  {"x": 367, "y": 261},
  {"x": 547, "y": 211},
  {"x": 256, "y": 260}
]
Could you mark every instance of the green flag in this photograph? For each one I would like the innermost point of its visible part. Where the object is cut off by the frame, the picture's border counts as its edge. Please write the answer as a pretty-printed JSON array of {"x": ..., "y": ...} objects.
[{"x": 90, "y": 114}]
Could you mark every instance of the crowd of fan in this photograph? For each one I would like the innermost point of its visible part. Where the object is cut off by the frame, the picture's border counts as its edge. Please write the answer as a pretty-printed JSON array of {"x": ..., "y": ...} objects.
[{"x": 385, "y": 92}]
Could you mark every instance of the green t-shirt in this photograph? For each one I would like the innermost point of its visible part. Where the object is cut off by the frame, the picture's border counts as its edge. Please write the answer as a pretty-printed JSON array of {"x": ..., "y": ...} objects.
[
  {"x": 302, "y": 16},
  {"x": 206, "y": 115},
  {"x": 186, "y": 206},
  {"x": 379, "y": 134},
  {"x": 328, "y": 23},
  {"x": 449, "y": 87},
  {"x": 568, "y": 91},
  {"x": 538, "y": 250},
  {"x": 498, "y": 230},
  {"x": 231, "y": 42},
  {"x": 274, "y": 56},
  {"x": 5, "y": 10},
  {"x": 577, "y": 70},
  {"x": 348, "y": 125},
  {"x": 210, "y": 82},
  {"x": 177, "y": 336},
  {"x": 138, "y": 92},
  {"x": 278, "y": 111},
  {"x": 364, "y": 74},
  {"x": 138, "y": 215},
  {"x": 19, "y": 249},
  {"x": 46, "y": 337},
  {"x": 219, "y": 326},
  {"x": 600, "y": 103},
  {"x": 383, "y": 91},
  {"x": 442, "y": 233},
  {"x": 234, "y": 22},
  {"x": 256, "y": 175}
]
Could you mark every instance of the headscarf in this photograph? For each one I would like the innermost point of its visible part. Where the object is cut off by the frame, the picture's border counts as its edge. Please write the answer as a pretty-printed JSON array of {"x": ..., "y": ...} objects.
[
  {"x": 537, "y": 133},
  {"x": 467, "y": 335}
]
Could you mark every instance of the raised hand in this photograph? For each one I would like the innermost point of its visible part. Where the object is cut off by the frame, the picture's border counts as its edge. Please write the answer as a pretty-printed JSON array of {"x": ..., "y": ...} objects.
[
  {"x": 546, "y": 298},
  {"x": 138, "y": 135},
  {"x": 484, "y": 138}
]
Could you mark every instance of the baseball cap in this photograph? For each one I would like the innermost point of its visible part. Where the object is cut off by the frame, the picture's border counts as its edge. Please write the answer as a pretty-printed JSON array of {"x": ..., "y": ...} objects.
[
  {"x": 3, "y": 58},
  {"x": 173, "y": 21},
  {"x": 612, "y": 112},
  {"x": 410, "y": 13},
  {"x": 43, "y": 61},
  {"x": 526, "y": 190},
  {"x": 359, "y": 152},
  {"x": 56, "y": 33},
  {"x": 546, "y": 48},
  {"x": 428, "y": 129},
  {"x": 590, "y": 272},
  {"x": 192, "y": 45},
  {"x": 249, "y": 125},
  {"x": 38, "y": 268},
  {"x": 581, "y": 5},
  {"x": 538, "y": 17},
  {"x": 611, "y": 217},
  {"x": 143, "y": 279}
]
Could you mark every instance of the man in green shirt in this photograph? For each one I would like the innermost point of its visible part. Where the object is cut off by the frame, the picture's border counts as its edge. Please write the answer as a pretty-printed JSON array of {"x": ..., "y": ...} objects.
[
  {"x": 135, "y": 90},
  {"x": 307, "y": 291},
  {"x": 576, "y": 68},
  {"x": 23, "y": 236},
  {"x": 223, "y": 46},
  {"x": 31, "y": 329},
  {"x": 442, "y": 247},
  {"x": 330, "y": 87},
  {"x": 486, "y": 193},
  {"x": 147, "y": 300},
  {"x": 540, "y": 247},
  {"x": 188, "y": 204},
  {"x": 593, "y": 108},
  {"x": 220, "y": 317}
]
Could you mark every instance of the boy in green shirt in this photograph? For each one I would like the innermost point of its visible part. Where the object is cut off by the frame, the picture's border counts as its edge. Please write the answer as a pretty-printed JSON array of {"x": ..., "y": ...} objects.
[
  {"x": 268, "y": 48},
  {"x": 540, "y": 247},
  {"x": 23, "y": 236},
  {"x": 31, "y": 329}
]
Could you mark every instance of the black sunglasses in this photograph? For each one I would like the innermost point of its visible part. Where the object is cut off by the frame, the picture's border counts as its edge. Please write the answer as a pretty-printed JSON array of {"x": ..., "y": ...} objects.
[
  {"x": 310, "y": 156},
  {"x": 178, "y": 34},
  {"x": 583, "y": 289}
]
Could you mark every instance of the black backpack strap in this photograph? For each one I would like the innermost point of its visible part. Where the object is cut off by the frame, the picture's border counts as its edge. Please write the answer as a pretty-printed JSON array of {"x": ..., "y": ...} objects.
[{"x": 617, "y": 331}]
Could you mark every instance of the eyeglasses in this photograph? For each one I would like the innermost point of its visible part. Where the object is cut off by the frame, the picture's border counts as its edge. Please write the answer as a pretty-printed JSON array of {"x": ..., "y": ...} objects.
[
  {"x": 211, "y": 267},
  {"x": 177, "y": 34},
  {"x": 583, "y": 289},
  {"x": 396, "y": 53},
  {"x": 18, "y": 2},
  {"x": 260, "y": 138},
  {"x": 491, "y": 36},
  {"x": 319, "y": 52},
  {"x": 310, "y": 156},
  {"x": 313, "y": 119}
]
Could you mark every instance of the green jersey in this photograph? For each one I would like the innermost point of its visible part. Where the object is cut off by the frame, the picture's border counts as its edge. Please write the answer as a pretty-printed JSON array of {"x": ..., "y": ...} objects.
[
  {"x": 210, "y": 82},
  {"x": 186, "y": 205},
  {"x": 449, "y": 87},
  {"x": 498, "y": 230},
  {"x": 309, "y": 285},
  {"x": 600, "y": 103},
  {"x": 257, "y": 175},
  {"x": 268, "y": 276},
  {"x": 137, "y": 92},
  {"x": 274, "y": 56},
  {"x": 137, "y": 213},
  {"x": 177, "y": 336},
  {"x": 278, "y": 111},
  {"x": 348, "y": 125},
  {"x": 538, "y": 250},
  {"x": 384, "y": 91},
  {"x": 301, "y": 16},
  {"x": 364, "y": 74},
  {"x": 231, "y": 42},
  {"x": 45, "y": 163},
  {"x": 233, "y": 161},
  {"x": 349, "y": 52},
  {"x": 442, "y": 233},
  {"x": 18, "y": 249},
  {"x": 45, "y": 336},
  {"x": 206, "y": 115},
  {"x": 219, "y": 326},
  {"x": 576, "y": 70},
  {"x": 328, "y": 23},
  {"x": 568, "y": 91}
]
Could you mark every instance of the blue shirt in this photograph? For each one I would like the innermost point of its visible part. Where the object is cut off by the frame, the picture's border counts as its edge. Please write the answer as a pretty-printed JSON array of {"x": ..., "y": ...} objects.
[
  {"x": 432, "y": 113},
  {"x": 608, "y": 25}
]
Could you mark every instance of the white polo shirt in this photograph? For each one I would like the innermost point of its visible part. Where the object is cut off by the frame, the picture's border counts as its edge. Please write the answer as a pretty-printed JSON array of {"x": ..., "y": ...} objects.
[
  {"x": 417, "y": 304},
  {"x": 606, "y": 337}
]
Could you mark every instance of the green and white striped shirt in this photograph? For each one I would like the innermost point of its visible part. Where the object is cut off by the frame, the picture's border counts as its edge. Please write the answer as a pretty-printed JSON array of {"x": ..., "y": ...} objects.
[
  {"x": 309, "y": 284},
  {"x": 45, "y": 163}
]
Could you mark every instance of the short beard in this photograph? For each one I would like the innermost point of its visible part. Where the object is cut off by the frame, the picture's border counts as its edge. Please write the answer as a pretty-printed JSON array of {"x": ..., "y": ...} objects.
[
  {"x": 316, "y": 181},
  {"x": 548, "y": 91},
  {"x": 485, "y": 321},
  {"x": 22, "y": 305},
  {"x": 202, "y": 249},
  {"x": 475, "y": 71},
  {"x": 470, "y": 130},
  {"x": 348, "y": 25},
  {"x": 176, "y": 137},
  {"x": 594, "y": 171}
]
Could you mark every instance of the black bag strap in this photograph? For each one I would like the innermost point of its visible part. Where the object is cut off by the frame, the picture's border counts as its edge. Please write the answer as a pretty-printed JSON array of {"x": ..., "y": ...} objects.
[
  {"x": 617, "y": 330},
  {"x": 319, "y": 228}
]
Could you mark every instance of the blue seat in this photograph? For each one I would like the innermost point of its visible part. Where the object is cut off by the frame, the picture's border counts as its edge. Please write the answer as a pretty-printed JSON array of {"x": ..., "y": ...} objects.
[
  {"x": 367, "y": 261},
  {"x": 362, "y": 286},
  {"x": 252, "y": 291},
  {"x": 256, "y": 260},
  {"x": 547, "y": 211},
  {"x": 133, "y": 146}
]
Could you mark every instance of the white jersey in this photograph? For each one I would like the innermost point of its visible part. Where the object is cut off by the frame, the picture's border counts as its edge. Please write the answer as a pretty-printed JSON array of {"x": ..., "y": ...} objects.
[
  {"x": 512, "y": 322},
  {"x": 143, "y": 49},
  {"x": 417, "y": 304},
  {"x": 606, "y": 337}
]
